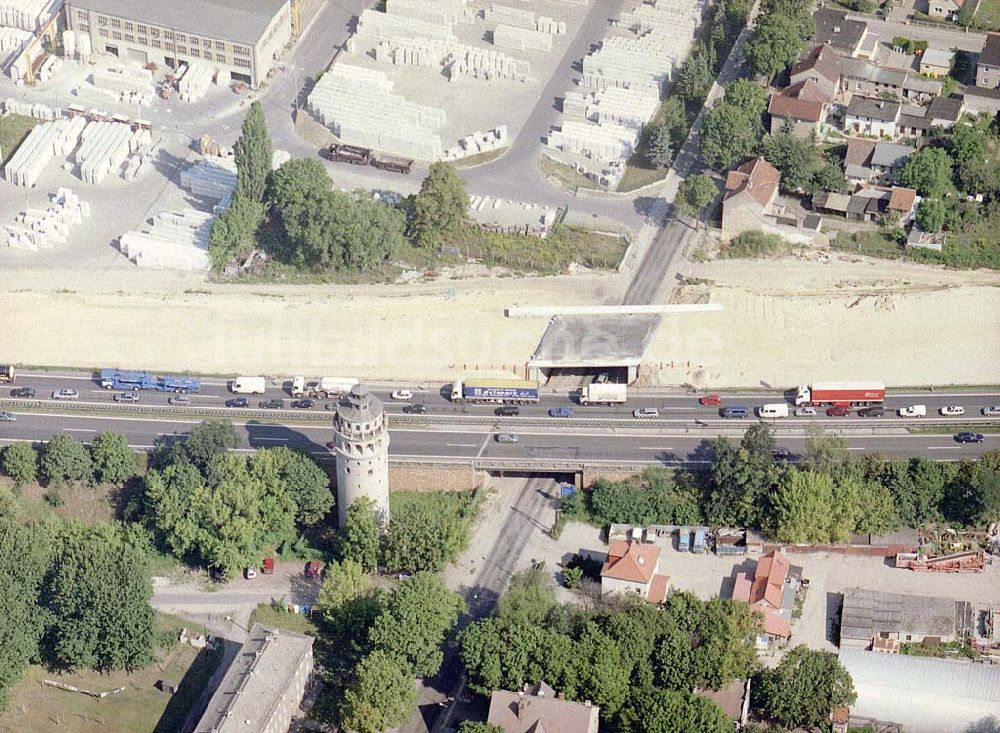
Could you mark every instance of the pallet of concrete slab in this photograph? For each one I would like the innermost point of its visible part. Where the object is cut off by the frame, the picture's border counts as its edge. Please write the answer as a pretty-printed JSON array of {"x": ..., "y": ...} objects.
[
  {"x": 973, "y": 561},
  {"x": 12, "y": 41},
  {"x": 633, "y": 107},
  {"x": 622, "y": 62},
  {"x": 28, "y": 15},
  {"x": 601, "y": 142},
  {"x": 462, "y": 58},
  {"x": 27, "y": 109},
  {"x": 123, "y": 80},
  {"x": 43, "y": 143},
  {"x": 176, "y": 240},
  {"x": 374, "y": 27},
  {"x": 195, "y": 83},
  {"x": 439, "y": 12},
  {"x": 50, "y": 68},
  {"x": 653, "y": 18},
  {"x": 484, "y": 63},
  {"x": 34, "y": 229},
  {"x": 521, "y": 39},
  {"x": 213, "y": 178},
  {"x": 105, "y": 147}
]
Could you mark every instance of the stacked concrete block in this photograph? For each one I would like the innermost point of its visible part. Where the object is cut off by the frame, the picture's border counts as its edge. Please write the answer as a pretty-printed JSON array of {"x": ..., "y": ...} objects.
[
  {"x": 172, "y": 240},
  {"x": 514, "y": 17},
  {"x": 12, "y": 39},
  {"x": 459, "y": 59},
  {"x": 123, "y": 80},
  {"x": 33, "y": 229},
  {"x": 598, "y": 142},
  {"x": 374, "y": 26},
  {"x": 625, "y": 62},
  {"x": 28, "y": 15},
  {"x": 223, "y": 77},
  {"x": 105, "y": 146},
  {"x": 42, "y": 144},
  {"x": 69, "y": 44},
  {"x": 195, "y": 82},
  {"x": 213, "y": 178},
  {"x": 361, "y": 109},
  {"x": 84, "y": 48},
  {"x": 551, "y": 26},
  {"x": 50, "y": 68},
  {"x": 434, "y": 11},
  {"x": 628, "y": 107},
  {"x": 27, "y": 109},
  {"x": 521, "y": 39}
]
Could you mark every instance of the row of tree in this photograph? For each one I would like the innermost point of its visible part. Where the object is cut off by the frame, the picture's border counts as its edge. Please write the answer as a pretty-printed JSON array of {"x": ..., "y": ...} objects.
[
  {"x": 779, "y": 36},
  {"x": 64, "y": 459},
  {"x": 72, "y": 596}
]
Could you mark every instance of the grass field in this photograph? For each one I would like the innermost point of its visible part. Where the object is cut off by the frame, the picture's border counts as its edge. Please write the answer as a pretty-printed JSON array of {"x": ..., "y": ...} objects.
[
  {"x": 13, "y": 129},
  {"x": 988, "y": 15},
  {"x": 268, "y": 615},
  {"x": 139, "y": 708}
]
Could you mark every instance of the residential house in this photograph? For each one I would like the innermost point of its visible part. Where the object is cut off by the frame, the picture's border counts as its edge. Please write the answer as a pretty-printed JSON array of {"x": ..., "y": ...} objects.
[
  {"x": 874, "y": 160},
  {"x": 538, "y": 709},
  {"x": 860, "y": 77},
  {"x": 857, "y": 159},
  {"x": 750, "y": 194},
  {"x": 936, "y": 62},
  {"x": 733, "y": 698},
  {"x": 988, "y": 66},
  {"x": 945, "y": 111},
  {"x": 849, "y": 37},
  {"x": 870, "y": 204},
  {"x": 945, "y": 9},
  {"x": 634, "y": 567},
  {"x": 981, "y": 100},
  {"x": 902, "y": 205},
  {"x": 874, "y": 117},
  {"x": 771, "y": 591},
  {"x": 821, "y": 66},
  {"x": 802, "y": 106},
  {"x": 868, "y": 615}
]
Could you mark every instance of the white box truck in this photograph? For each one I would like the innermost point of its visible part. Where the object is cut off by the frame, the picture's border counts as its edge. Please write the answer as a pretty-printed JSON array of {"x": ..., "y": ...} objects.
[
  {"x": 606, "y": 393},
  {"x": 249, "y": 385},
  {"x": 332, "y": 387},
  {"x": 776, "y": 409},
  {"x": 913, "y": 411},
  {"x": 298, "y": 386}
]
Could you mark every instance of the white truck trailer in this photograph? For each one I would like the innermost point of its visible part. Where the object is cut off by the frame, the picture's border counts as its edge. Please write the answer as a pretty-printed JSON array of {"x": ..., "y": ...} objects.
[{"x": 606, "y": 393}]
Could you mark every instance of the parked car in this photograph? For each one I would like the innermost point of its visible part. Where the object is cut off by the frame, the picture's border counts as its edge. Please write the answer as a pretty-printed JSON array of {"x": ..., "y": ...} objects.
[
  {"x": 313, "y": 569},
  {"x": 506, "y": 438},
  {"x": 874, "y": 411},
  {"x": 65, "y": 394},
  {"x": 805, "y": 412},
  {"x": 331, "y": 406},
  {"x": 402, "y": 394},
  {"x": 271, "y": 404},
  {"x": 416, "y": 408},
  {"x": 561, "y": 412},
  {"x": 27, "y": 393},
  {"x": 645, "y": 412},
  {"x": 507, "y": 411},
  {"x": 969, "y": 437},
  {"x": 952, "y": 410},
  {"x": 780, "y": 454},
  {"x": 238, "y": 402},
  {"x": 739, "y": 412},
  {"x": 710, "y": 399},
  {"x": 992, "y": 411},
  {"x": 304, "y": 404},
  {"x": 913, "y": 411},
  {"x": 127, "y": 397},
  {"x": 250, "y": 573},
  {"x": 179, "y": 400},
  {"x": 838, "y": 411},
  {"x": 7, "y": 417},
  {"x": 267, "y": 567}
]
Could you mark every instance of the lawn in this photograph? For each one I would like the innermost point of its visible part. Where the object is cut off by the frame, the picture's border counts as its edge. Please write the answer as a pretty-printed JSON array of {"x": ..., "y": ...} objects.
[
  {"x": 565, "y": 176},
  {"x": 988, "y": 15},
  {"x": 278, "y": 618},
  {"x": 13, "y": 129},
  {"x": 139, "y": 708},
  {"x": 637, "y": 175}
]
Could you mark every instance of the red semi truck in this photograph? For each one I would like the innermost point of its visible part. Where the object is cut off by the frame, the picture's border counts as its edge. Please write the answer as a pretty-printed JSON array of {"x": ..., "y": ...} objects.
[{"x": 841, "y": 393}]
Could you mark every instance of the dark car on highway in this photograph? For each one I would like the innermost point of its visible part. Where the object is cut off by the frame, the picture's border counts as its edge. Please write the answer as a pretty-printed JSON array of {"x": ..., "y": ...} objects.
[
  {"x": 969, "y": 437},
  {"x": 780, "y": 454},
  {"x": 238, "y": 402},
  {"x": 303, "y": 404},
  {"x": 875, "y": 411},
  {"x": 561, "y": 412},
  {"x": 415, "y": 409},
  {"x": 507, "y": 411},
  {"x": 27, "y": 393},
  {"x": 838, "y": 411},
  {"x": 271, "y": 404}
]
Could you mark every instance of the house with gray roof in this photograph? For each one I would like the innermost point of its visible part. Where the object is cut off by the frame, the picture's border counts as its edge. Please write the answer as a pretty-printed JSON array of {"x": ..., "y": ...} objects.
[{"x": 871, "y": 615}]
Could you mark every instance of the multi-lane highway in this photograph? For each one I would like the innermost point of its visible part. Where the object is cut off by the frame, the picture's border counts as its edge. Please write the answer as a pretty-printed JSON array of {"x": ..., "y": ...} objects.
[{"x": 464, "y": 433}]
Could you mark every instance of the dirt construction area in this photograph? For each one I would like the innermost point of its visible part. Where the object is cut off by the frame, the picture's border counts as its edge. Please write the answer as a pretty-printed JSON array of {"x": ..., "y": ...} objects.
[{"x": 782, "y": 320}]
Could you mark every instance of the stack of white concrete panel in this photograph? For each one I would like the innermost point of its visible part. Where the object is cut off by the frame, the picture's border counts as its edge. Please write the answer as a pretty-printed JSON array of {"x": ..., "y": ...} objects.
[
  {"x": 624, "y": 62},
  {"x": 195, "y": 82},
  {"x": 174, "y": 240},
  {"x": 374, "y": 26},
  {"x": 654, "y": 18},
  {"x": 123, "y": 80},
  {"x": 223, "y": 77},
  {"x": 361, "y": 109},
  {"x": 460, "y": 58},
  {"x": 28, "y": 15},
  {"x": 213, "y": 178},
  {"x": 105, "y": 147},
  {"x": 514, "y": 17},
  {"x": 432, "y": 11},
  {"x": 521, "y": 39},
  {"x": 42, "y": 144},
  {"x": 11, "y": 39},
  {"x": 49, "y": 68},
  {"x": 599, "y": 142},
  {"x": 628, "y": 107},
  {"x": 33, "y": 229},
  {"x": 27, "y": 109}
]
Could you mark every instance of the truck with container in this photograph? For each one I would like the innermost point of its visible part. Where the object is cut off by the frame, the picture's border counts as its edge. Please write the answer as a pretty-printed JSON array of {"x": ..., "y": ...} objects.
[
  {"x": 495, "y": 391},
  {"x": 606, "y": 393},
  {"x": 328, "y": 387},
  {"x": 775, "y": 409},
  {"x": 698, "y": 546},
  {"x": 132, "y": 380},
  {"x": 349, "y": 154},
  {"x": 856, "y": 394},
  {"x": 7, "y": 374},
  {"x": 390, "y": 163},
  {"x": 248, "y": 385}
]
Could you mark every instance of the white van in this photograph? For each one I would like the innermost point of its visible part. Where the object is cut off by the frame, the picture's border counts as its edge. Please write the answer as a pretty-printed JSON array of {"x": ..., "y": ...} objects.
[
  {"x": 777, "y": 409},
  {"x": 913, "y": 411},
  {"x": 249, "y": 385},
  {"x": 298, "y": 386}
]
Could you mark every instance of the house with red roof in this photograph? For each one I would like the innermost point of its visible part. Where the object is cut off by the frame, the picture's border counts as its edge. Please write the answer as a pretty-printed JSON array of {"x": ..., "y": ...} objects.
[
  {"x": 766, "y": 590},
  {"x": 634, "y": 568},
  {"x": 750, "y": 193}
]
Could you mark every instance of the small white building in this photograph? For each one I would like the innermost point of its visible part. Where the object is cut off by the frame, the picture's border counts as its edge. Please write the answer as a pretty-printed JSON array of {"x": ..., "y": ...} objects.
[{"x": 634, "y": 568}]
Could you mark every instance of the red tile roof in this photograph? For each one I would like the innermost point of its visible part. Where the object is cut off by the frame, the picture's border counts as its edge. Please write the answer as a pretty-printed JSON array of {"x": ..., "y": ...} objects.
[
  {"x": 757, "y": 177},
  {"x": 769, "y": 580},
  {"x": 775, "y": 625},
  {"x": 806, "y": 89},
  {"x": 658, "y": 589},
  {"x": 796, "y": 108},
  {"x": 741, "y": 591},
  {"x": 632, "y": 561},
  {"x": 902, "y": 199},
  {"x": 840, "y": 714}
]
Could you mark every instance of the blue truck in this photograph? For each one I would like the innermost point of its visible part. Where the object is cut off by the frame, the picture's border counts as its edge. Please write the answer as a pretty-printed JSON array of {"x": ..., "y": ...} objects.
[
  {"x": 122, "y": 379},
  {"x": 699, "y": 541},
  {"x": 496, "y": 391},
  {"x": 683, "y": 539}
]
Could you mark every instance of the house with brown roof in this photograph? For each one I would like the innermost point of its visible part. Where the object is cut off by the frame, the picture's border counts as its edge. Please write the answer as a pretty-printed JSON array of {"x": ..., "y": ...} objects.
[
  {"x": 634, "y": 568},
  {"x": 771, "y": 591},
  {"x": 821, "y": 66},
  {"x": 801, "y": 108},
  {"x": 750, "y": 194},
  {"x": 945, "y": 9},
  {"x": 538, "y": 709},
  {"x": 874, "y": 160},
  {"x": 870, "y": 204},
  {"x": 988, "y": 65}
]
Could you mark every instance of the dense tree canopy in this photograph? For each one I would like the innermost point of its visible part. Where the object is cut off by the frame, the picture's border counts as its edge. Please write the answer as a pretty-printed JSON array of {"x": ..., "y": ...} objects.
[
  {"x": 382, "y": 695},
  {"x": 695, "y": 193},
  {"x": 253, "y": 154},
  {"x": 733, "y": 127},
  {"x": 20, "y": 462},
  {"x": 928, "y": 170},
  {"x": 773, "y": 45},
  {"x": 65, "y": 459},
  {"x": 668, "y": 711},
  {"x": 440, "y": 205},
  {"x": 425, "y": 534},
  {"x": 803, "y": 167},
  {"x": 654, "y": 499},
  {"x": 114, "y": 461},
  {"x": 804, "y": 688},
  {"x": 359, "y": 537}
]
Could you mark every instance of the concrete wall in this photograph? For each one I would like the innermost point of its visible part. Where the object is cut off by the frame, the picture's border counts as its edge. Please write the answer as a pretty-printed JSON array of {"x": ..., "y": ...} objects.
[
  {"x": 433, "y": 477},
  {"x": 614, "y": 585}
]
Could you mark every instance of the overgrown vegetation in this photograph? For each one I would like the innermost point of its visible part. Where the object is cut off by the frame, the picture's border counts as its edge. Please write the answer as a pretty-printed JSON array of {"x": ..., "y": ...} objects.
[
  {"x": 755, "y": 245},
  {"x": 782, "y": 29},
  {"x": 13, "y": 130}
]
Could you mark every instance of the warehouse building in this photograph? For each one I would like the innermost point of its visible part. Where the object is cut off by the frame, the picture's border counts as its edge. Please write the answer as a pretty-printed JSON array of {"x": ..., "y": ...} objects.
[
  {"x": 229, "y": 35},
  {"x": 886, "y": 620}
]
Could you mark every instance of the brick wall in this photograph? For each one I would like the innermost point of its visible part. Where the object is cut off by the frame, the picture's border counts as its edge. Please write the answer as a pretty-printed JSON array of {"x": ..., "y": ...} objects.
[{"x": 432, "y": 477}]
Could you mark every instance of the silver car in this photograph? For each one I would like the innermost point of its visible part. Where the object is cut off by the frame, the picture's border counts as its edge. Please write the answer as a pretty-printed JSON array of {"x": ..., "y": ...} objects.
[
  {"x": 992, "y": 411},
  {"x": 7, "y": 417},
  {"x": 65, "y": 394},
  {"x": 805, "y": 412},
  {"x": 506, "y": 438}
]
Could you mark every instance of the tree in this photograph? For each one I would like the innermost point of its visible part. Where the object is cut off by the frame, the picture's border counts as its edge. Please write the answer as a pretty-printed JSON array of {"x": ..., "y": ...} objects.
[
  {"x": 529, "y": 599},
  {"x": 828, "y": 177},
  {"x": 695, "y": 78},
  {"x": 233, "y": 230},
  {"x": 674, "y": 119},
  {"x": 252, "y": 153},
  {"x": 878, "y": 509},
  {"x": 825, "y": 453},
  {"x": 114, "y": 461},
  {"x": 659, "y": 151},
  {"x": 794, "y": 157},
  {"x": 695, "y": 193},
  {"x": 417, "y": 617},
  {"x": 741, "y": 478},
  {"x": 601, "y": 673},
  {"x": 307, "y": 483},
  {"x": 440, "y": 206},
  {"x": 928, "y": 170},
  {"x": 802, "y": 506},
  {"x": 424, "y": 535},
  {"x": 20, "y": 462},
  {"x": 381, "y": 696},
  {"x": 65, "y": 459},
  {"x": 804, "y": 688},
  {"x": 348, "y": 602},
  {"x": 748, "y": 96},
  {"x": 931, "y": 215},
  {"x": 359, "y": 537},
  {"x": 975, "y": 172},
  {"x": 297, "y": 185},
  {"x": 471, "y": 726},
  {"x": 205, "y": 441},
  {"x": 773, "y": 45},
  {"x": 973, "y": 496},
  {"x": 665, "y": 711},
  {"x": 729, "y": 135},
  {"x": 98, "y": 596}
]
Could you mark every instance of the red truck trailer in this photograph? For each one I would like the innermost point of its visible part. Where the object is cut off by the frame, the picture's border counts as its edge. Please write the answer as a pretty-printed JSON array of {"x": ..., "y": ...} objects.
[{"x": 841, "y": 393}]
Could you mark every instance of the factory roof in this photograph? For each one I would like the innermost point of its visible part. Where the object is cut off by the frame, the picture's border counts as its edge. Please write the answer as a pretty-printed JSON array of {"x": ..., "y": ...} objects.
[
  {"x": 867, "y": 613},
  {"x": 242, "y": 21}
]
